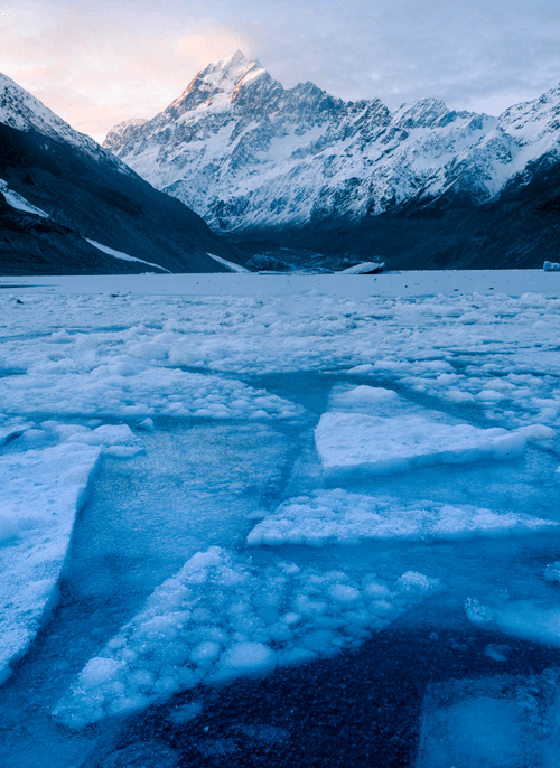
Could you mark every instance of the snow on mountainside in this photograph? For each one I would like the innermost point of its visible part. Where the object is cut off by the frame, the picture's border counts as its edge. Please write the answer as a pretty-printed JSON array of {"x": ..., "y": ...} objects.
[
  {"x": 22, "y": 111},
  {"x": 247, "y": 154}
]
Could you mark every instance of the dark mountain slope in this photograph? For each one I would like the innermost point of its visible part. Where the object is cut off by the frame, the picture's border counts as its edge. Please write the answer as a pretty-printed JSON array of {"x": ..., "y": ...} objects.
[
  {"x": 519, "y": 229},
  {"x": 30, "y": 244},
  {"x": 88, "y": 193}
]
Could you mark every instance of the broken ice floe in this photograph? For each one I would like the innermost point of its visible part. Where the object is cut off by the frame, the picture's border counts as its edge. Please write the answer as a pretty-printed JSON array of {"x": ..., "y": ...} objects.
[
  {"x": 114, "y": 439},
  {"x": 42, "y": 490},
  {"x": 552, "y": 572},
  {"x": 338, "y": 517},
  {"x": 41, "y": 493},
  {"x": 478, "y": 613},
  {"x": 530, "y": 619},
  {"x": 498, "y": 653},
  {"x": 220, "y": 617},
  {"x": 12, "y": 428},
  {"x": 366, "y": 444},
  {"x": 365, "y": 399},
  {"x": 127, "y": 387},
  {"x": 537, "y": 620}
]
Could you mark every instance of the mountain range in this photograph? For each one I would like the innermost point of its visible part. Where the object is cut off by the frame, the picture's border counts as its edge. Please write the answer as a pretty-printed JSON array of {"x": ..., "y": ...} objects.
[
  {"x": 68, "y": 206},
  {"x": 241, "y": 171},
  {"x": 300, "y": 170}
]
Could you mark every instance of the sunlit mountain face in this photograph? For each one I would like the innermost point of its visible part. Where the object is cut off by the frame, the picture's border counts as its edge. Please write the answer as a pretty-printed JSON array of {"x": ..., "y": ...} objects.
[{"x": 423, "y": 186}]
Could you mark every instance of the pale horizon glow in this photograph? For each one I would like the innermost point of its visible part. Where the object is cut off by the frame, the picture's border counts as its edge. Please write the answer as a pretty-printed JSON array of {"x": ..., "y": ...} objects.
[{"x": 97, "y": 65}]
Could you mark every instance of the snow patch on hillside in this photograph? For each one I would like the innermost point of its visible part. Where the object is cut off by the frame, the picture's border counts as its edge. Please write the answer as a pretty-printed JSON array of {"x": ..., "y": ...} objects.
[
  {"x": 18, "y": 202},
  {"x": 229, "y": 264},
  {"x": 121, "y": 255}
]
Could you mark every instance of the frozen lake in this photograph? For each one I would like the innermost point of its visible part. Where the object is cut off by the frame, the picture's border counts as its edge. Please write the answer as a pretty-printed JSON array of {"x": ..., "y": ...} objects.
[
  {"x": 389, "y": 284},
  {"x": 280, "y": 520}
]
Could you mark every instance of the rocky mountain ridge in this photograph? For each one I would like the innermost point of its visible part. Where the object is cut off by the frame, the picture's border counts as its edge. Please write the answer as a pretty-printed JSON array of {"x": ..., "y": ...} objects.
[{"x": 257, "y": 160}]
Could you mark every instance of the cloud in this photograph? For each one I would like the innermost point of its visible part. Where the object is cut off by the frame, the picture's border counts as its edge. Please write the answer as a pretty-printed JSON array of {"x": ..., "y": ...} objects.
[
  {"x": 95, "y": 71},
  {"x": 203, "y": 49},
  {"x": 99, "y": 63},
  {"x": 406, "y": 49},
  {"x": 9, "y": 12}
]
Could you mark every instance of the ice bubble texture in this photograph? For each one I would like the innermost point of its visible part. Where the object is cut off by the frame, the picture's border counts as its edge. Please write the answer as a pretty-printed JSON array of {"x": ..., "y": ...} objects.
[{"x": 220, "y": 617}]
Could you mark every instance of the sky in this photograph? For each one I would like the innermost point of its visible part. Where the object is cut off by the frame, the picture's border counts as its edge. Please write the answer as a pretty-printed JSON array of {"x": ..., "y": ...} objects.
[{"x": 96, "y": 64}]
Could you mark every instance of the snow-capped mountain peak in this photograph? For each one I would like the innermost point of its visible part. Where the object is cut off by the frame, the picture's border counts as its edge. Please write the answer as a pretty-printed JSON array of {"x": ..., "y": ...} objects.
[
  {"x": 135, "y": 121},
  {"x": 219, "y": 84},
  {"x": 247, "y": 154},
  {"x": 422, "y": 113}
]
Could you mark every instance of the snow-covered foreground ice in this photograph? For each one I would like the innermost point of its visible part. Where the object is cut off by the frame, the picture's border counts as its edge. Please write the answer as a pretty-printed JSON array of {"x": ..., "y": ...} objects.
[
  {"x": 42, "y": 491},
  {"x": 127, "y": 388},
  {"x": 218, "y": 618},
  {"x": 208, "y": 497},
  {"x": 339, "y": 517}
]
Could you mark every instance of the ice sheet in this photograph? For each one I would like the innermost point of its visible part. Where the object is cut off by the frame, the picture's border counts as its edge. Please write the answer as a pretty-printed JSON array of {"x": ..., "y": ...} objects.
[
  {"x": 339, "y": 517},
  {"x": 360, "y": 443}
]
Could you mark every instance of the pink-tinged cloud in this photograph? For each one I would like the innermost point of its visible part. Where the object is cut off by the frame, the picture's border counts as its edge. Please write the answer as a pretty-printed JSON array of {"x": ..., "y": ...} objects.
[
  {"x": 97, "y": 64},
  {"x": 96, "y": 76}
]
